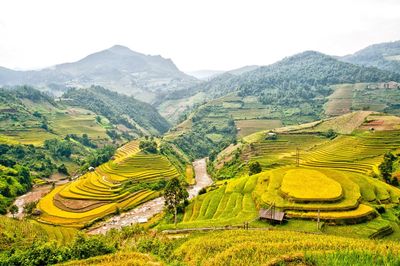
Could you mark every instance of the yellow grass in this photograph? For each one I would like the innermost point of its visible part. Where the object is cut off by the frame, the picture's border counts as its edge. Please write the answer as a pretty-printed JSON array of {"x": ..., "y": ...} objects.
[
  {"x": 362, "y": 211},
  {"x": 310, "y": 185},
  {"x": 190, "y": 178}
]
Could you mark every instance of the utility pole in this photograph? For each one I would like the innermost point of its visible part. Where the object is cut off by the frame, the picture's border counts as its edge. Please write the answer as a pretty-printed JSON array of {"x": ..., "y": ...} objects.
[{"x": 318, "y": 219}]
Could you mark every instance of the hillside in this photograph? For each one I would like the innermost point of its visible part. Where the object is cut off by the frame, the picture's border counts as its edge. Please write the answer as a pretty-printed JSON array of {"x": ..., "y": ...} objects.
[
  {"x": 304, "y": 78},
  {"x": 117, "y": 68},
  {"x": 344, "y": 184},
  {"x": 136, "y": 116},
  {"x": 131, "y": 178},
  {"x": 384, "y": 56}
]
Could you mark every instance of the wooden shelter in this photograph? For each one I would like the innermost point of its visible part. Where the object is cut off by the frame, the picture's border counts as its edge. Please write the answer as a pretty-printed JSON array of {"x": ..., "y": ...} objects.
[{"x": 272, "y": 215}]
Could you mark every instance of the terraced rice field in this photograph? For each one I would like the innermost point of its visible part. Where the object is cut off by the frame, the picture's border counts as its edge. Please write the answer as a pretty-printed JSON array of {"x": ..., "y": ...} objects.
[
  {"x": 26, "y": 232},
  {"x": 230, "y": 204},
  {"x": 247, "y": 247},
  {"x": 359, "y": 153},
  {"x": 333, "y": 181},
  {"x": 111, "y": 187},
  {"x": 310, "y": 185}
]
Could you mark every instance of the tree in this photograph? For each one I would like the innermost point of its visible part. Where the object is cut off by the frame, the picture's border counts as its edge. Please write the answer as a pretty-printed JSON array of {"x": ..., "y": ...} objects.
[
  {"x": 62, "y": 169},
  {"x": 14, "y": 210},
  {"x": 148, "y": 146},
  {"x": 175, "y": 194},
  {"x": 386, "y": 167},
  {"x": 254, "y": 168}
]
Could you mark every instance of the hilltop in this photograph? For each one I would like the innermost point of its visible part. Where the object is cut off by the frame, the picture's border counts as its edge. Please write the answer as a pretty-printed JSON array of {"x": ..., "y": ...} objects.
[
  {"x": 384, "y": 56},
  {"x": 117, "y": 68}
]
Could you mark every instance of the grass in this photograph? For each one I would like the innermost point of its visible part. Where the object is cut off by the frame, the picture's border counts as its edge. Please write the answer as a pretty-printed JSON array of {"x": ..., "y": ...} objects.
[
  {"x": 310, "y": 185},
  {"x": 190, "y": 177}
]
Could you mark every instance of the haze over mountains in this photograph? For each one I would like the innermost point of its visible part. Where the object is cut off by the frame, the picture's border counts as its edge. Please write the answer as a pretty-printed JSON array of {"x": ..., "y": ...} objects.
[
  {"x": 383, "y": 55},
  {"x": 117, "y": 68},
  {"x": 154, "y": 79}
]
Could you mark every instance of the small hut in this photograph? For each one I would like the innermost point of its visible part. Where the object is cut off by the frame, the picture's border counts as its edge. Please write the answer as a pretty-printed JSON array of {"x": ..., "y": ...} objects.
[{"x": 272, "y": 215}]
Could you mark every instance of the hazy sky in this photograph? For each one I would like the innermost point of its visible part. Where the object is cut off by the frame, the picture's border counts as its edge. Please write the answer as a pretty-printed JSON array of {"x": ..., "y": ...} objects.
[{"x": 204, "y": 34}]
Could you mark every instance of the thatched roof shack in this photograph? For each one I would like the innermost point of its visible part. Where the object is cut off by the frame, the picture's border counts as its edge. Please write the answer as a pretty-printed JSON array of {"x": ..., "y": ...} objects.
[{"x": 272, "y": 215}]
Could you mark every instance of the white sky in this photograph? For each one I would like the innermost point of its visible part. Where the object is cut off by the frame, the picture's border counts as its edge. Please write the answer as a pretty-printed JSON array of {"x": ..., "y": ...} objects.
[{"x": 203, "y": 34}]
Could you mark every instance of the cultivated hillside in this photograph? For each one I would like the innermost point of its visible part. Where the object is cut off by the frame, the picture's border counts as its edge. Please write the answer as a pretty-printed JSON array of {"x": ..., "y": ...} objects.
[
  {"x": 117, "y": 68},
  {"x": 134, "y": 115},
  {"x": 296, "y": 79},
  {"x": 384, "y": 56}
]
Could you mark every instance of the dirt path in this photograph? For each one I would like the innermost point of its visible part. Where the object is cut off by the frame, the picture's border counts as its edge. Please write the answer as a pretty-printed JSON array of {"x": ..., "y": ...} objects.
[
  {"x": 147, "y": 210},
  {"x": 34, "y": 195}
]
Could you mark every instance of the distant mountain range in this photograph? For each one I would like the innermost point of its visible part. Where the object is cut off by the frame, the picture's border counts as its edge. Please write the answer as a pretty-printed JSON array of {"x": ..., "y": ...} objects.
[
  {"x": 209, "y": 74},
  {"x": 117, "y": 68},
  {"x": 385, "y": 56}
]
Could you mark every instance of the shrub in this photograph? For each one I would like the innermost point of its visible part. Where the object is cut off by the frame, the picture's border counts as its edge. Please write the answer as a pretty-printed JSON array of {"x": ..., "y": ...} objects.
[
  {"x": 149, "y": 146},
  {"x": 254, "y": 168}
]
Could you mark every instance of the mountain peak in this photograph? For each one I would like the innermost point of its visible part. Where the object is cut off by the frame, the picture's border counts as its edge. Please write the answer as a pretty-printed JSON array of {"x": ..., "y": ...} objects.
[{"x": 122, "y": 50}]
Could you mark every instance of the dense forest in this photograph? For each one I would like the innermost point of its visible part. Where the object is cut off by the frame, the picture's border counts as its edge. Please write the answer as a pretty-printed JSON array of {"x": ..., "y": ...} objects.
[{"x": 119, "y": 109}]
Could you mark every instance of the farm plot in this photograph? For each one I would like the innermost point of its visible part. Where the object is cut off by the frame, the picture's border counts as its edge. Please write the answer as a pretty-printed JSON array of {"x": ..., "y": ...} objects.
[
  {"x": 230, "y": 204},
  {"x": 119, "y": 184},
  {"x": 316, "y": 199},
  {"x": 250, "y": 126},
  {"x": 358, "y": 153},
  {"x": 340, "y": 100}
]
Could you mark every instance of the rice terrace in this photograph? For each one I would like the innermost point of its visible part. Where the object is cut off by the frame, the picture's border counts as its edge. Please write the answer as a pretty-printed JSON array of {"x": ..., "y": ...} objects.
[{"x": 216, "y": 133}]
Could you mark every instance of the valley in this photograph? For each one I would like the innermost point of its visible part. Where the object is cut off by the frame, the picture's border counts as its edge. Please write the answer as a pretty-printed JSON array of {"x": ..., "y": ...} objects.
[{"x": 125, "y": 160}]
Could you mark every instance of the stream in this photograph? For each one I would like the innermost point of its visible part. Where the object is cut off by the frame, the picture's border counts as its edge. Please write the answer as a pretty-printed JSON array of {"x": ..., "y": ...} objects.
[{"x": 147, "y": 210}]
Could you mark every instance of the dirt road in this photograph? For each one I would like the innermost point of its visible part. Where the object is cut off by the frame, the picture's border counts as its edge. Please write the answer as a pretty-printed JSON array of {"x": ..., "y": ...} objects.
[{"x": 147, "y": 210}]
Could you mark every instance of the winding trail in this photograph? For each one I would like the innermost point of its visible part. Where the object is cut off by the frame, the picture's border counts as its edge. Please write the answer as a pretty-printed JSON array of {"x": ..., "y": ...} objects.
[{"x": 147, "y": 210}]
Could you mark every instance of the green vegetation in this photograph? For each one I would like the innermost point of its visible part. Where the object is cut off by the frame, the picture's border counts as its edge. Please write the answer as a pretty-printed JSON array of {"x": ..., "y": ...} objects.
[
  {"x": 175, "y": 195},
  {"x": 211, "y": 130},
  {"x": 149, "y": 146},
  {"x": 48, "y": 253},
  {"x": 136, "y": 116},
  {"x": 254, "y": 168}
]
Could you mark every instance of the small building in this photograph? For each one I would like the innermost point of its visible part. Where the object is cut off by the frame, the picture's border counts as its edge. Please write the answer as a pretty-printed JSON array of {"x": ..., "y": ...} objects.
[
  {"x": 272, "y": 215},
  {"x": 271, "y": 136},
  {"x": 91, "y": 168},
  {"x": 389, "y": 85}
]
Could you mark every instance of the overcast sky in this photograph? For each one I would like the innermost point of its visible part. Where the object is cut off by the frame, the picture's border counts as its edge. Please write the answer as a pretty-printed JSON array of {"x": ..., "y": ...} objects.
[{"x": 204, "y": 34}]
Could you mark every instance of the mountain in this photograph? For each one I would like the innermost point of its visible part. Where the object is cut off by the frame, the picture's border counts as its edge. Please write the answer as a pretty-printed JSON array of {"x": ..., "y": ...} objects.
[
  {"x": 385, "y": 56},
  {"x": 117, "y": 68},
  {"x": 210, "y": 74},
  {"x": 301, "y": 72},
  {"x": 241, "y": 70},
  {"x": 205, "y": 74}
]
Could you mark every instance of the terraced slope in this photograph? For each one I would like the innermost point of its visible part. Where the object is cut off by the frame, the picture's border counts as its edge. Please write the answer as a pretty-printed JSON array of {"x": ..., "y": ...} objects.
[
  {"x": 230, "y": 204},
  {"x": 22, "y": 233},
  {"x": 333, "y": 181},
  {"x": 247, "y": 247},
  {"x": 120, "y": 184}
]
